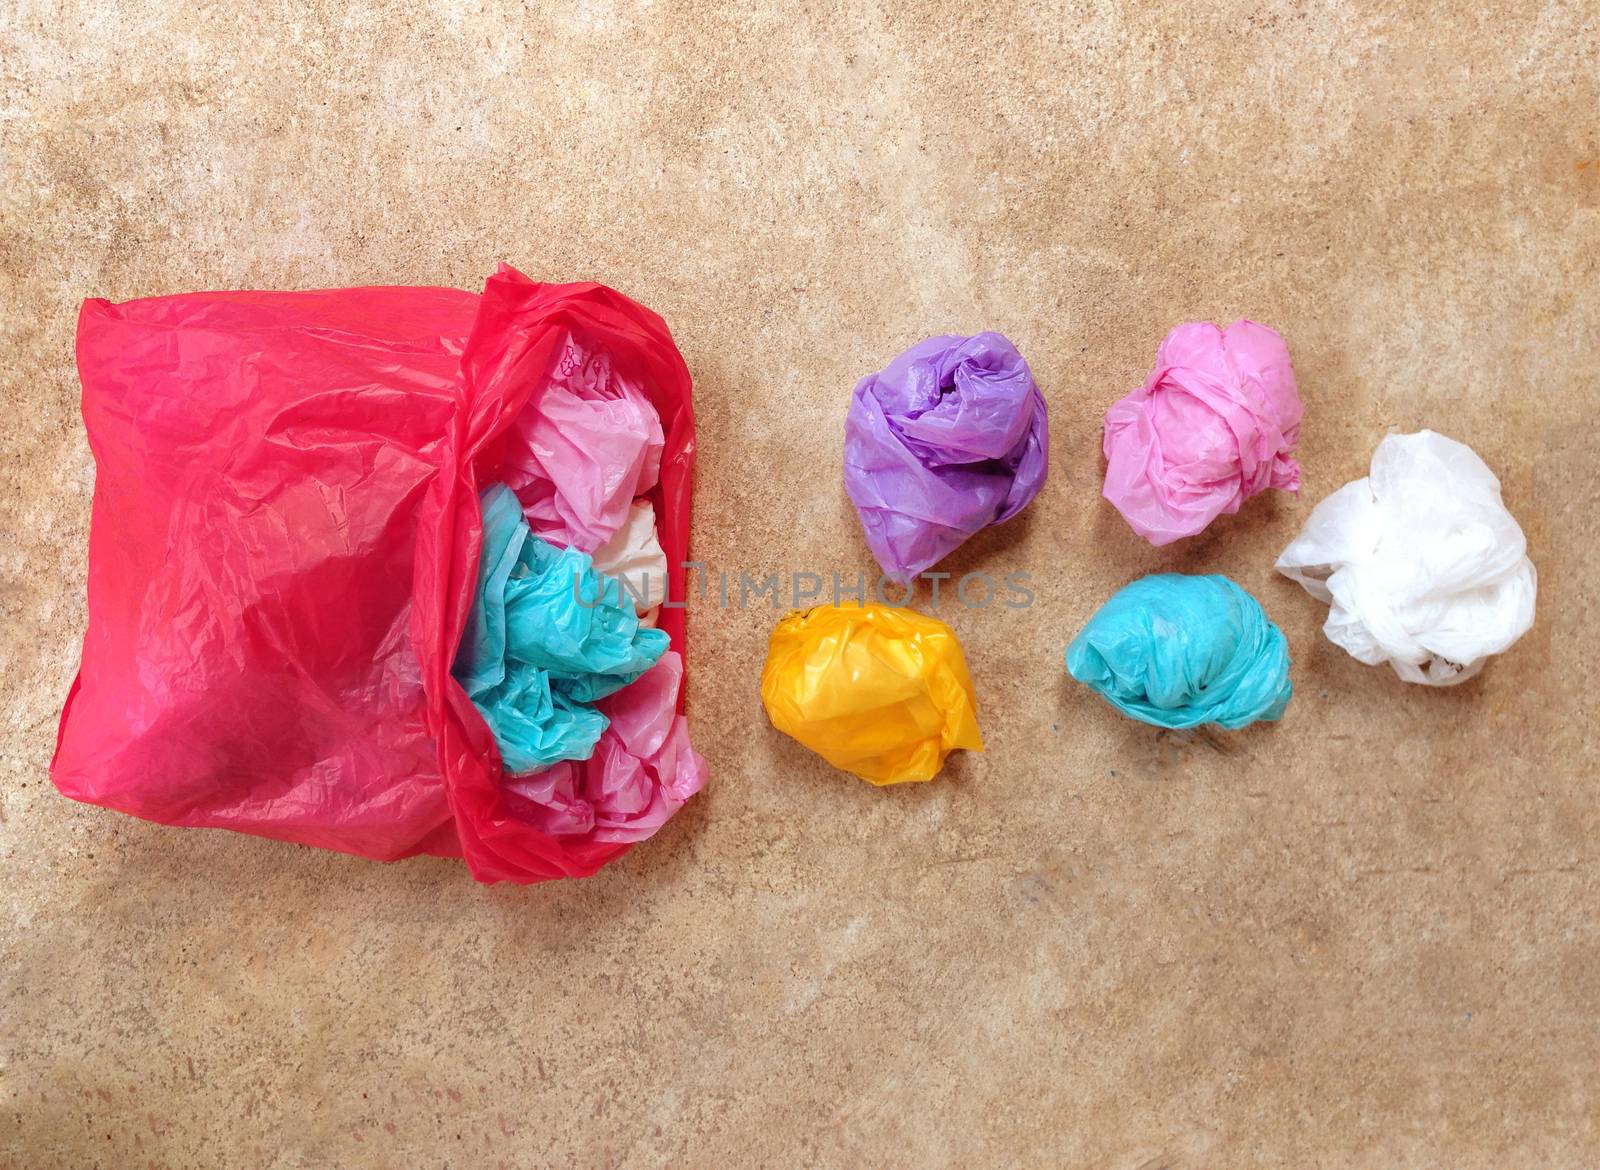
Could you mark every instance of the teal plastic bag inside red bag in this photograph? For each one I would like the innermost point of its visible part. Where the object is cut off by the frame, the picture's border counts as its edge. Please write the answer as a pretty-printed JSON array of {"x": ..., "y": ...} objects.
[{"x": 283, "y": 554}]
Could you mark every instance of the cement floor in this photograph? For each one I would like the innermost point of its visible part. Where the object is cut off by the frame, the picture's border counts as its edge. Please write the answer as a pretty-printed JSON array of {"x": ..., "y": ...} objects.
[{"x": 1365, "y": 937}]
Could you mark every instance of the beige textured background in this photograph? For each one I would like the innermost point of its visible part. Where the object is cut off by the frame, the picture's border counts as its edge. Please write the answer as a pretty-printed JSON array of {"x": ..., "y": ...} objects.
[{"x": 1366, "y": 937}]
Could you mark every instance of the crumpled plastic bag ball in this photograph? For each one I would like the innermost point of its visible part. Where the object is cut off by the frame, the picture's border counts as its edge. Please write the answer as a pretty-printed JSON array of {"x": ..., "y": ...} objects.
[
  {"x": 1420, "y": 562},
  {"x": 875, "y": 690},
  {"x": 1178, "y": 651},
  {"x": 1214, "y": 424},
  {"x": 950, "y": 437}
]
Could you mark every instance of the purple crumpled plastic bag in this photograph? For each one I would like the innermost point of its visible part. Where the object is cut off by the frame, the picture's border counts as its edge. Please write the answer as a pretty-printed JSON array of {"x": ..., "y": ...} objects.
[
  {"x": 1214, "y": 424},
  {"x": 950, "y": 437}
]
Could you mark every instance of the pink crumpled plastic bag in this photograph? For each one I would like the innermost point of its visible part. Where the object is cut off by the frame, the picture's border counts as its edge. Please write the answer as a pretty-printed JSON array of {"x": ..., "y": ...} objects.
[
  {"x": 591, "y": 447},
  {"x": 1214, "y": 424}
]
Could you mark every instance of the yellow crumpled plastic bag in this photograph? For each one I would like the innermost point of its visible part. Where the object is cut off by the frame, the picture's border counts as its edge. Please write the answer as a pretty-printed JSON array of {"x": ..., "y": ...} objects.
[{"x": 875, "y": 690}]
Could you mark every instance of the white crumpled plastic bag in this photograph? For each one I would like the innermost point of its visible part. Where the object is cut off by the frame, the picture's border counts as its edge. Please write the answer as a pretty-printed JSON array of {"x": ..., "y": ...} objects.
[
  {"x": 635, "y": 557},
  {"x": 1420, "y": 562}
]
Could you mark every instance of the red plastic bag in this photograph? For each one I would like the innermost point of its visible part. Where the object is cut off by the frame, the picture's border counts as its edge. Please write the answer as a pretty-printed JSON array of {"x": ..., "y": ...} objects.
[{"x": 283, "y": 553}]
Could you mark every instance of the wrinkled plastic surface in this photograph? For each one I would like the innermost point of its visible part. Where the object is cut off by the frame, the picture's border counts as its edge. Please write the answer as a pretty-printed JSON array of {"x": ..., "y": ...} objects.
[
  {"x": 593, "y": 445},
  {"x": 875, "y": 690},
  {"x": 642, "y": 770},
  {"x": 1214, "y": 424},
  {"x": 283, "y": 554},
  {"x": 1420, "y": 563},
  {"x": 1179, "y": 651},
  {"x": 950, "y": 437},
  {"x": 548, "y": 637}
]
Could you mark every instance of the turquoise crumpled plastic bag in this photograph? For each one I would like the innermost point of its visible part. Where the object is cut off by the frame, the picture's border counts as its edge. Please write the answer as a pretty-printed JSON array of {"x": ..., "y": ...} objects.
[
  {"x": 1179, "y": 651},
  {"x": 547, "y": 636}
]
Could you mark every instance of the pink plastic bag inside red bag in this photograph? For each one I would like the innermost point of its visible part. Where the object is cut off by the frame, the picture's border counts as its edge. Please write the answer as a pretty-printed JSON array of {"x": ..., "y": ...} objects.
[{"x": 283, "y": 554}]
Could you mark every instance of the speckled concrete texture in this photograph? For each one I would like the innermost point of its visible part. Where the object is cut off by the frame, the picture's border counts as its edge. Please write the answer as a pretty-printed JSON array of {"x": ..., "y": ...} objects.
[{"x": 1367, "y": 936}]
